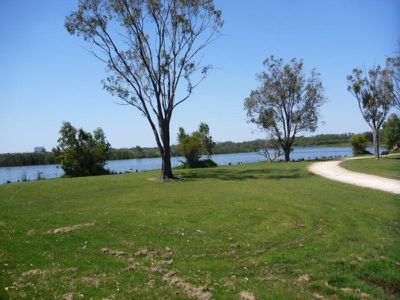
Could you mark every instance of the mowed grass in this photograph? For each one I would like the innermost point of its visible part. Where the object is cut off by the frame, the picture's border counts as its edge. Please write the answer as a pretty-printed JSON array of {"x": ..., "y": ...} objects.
[
  {"x": 387, "y": 166},
  {"x": 273, "y": 230}
]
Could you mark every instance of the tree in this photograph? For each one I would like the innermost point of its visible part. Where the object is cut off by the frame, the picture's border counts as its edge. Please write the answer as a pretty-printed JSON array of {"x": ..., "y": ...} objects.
[
  {"x": 81, "y": 153},
  {"x": 271, "y": 149},
  {"x": 359, "y": 143},
  {"x": 393, "y": 65},
  {"x": 151, "y": 49},
  {"x": 190, "y": 146},
  {"x": 208, "y": 143},
  {"x": 391, "y": 132},
  {"x": 287, "y": 102},
  {"x": 193, "y": 146},
  {"x": 374, "y": 97}
]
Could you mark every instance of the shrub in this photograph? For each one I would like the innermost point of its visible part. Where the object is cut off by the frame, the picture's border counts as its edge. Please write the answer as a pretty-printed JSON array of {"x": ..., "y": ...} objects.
[
  {"x": 391, "y": 132},
  {"x": 207, "y": 163},
  {"x": 359, "y": 143},
  {"x": 81, "y": 153},
  {"x": 193, "y": 146}
]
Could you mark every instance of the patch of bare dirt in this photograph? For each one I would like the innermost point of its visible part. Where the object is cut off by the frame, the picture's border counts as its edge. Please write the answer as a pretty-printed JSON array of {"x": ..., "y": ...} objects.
[
  {"x": 116, "y": 253},
  {"x": 168, "y": 253},
  {"x": 68, "y": 296},
  {"x": 166, "y": 262},
  {"x": 318, "y": 296},
  {"x": 304, "y": 278},
  {"x": 141, "y": 252},
  {"x": 169, "y": 276},
  {"x": 190, "y": 290},
  {"x": 70, "y": 228},
  {"x": 246, "y": 296},
  {"x": 71, "y": 270},
  {"x": 31, "y": 232},
  {"x": 134, "y": 266},
  {"x": 35, "y": 272},
  {"x": 355, "y": 291},
  {"x": 151, "y": 284}
]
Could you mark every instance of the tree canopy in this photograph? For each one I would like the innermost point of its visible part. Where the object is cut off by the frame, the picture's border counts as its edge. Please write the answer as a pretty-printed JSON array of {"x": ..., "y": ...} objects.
[
  {"x": 81, "y": 153},
  {"x": 374, "y": 97},
  {"x": 151, "y": 50},
  {"x": 391, "y": 132},
  {"x": 193, "y": 146},
  {"x": 393, "y": 65},
  {"x": 287, "y": 101}
]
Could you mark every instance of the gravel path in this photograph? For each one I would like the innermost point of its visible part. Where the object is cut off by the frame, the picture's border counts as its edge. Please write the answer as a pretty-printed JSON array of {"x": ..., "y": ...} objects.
[{"x": 332, "y": 170}]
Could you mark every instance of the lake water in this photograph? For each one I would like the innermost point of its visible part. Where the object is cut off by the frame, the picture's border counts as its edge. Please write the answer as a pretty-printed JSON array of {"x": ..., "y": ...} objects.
[{"x": 14, "y": 174}]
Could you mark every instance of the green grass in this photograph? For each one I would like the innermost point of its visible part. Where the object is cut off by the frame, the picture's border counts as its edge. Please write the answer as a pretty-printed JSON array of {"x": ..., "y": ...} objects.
[
  {"x": 388, "y": 166},
  {"x": 255, "y": 228}
]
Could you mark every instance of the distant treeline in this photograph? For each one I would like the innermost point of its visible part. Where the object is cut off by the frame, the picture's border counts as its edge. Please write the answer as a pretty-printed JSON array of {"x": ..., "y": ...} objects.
[
  {"x": 45, "y": 158},
  {"x": 26, "y": 159}
]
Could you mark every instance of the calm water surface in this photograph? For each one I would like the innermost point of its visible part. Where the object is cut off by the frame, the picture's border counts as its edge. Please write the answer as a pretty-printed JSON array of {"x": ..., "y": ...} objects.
[{"x": 14, "y": 174}]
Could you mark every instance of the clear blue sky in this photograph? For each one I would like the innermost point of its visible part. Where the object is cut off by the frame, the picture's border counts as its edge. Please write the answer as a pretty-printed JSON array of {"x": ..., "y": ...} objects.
[{"x": 47, "y": 76}]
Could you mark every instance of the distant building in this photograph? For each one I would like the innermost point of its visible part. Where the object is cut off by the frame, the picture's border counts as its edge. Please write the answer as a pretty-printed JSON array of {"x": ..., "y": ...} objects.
[{"x": 39, "y": 149}]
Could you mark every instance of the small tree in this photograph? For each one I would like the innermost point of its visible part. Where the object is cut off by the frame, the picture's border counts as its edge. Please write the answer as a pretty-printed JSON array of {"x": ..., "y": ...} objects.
[
  {"x": 208, "y": 143},
  {"x": 359, "y": 143},
  {"x": 271, "y": 149},
  {"x": 287, "y": 102},
  {"x": 374, "y": 97},
  {"x": 81, "y": 153},
  {"x": 190, "y": 146},
  {"x": 193, "y": 146},
  {"x": 391, "y": 132}
]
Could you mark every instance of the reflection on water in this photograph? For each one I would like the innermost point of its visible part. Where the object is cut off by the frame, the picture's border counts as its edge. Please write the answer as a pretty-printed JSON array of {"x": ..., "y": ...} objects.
[{"x": 14, "y": 174}]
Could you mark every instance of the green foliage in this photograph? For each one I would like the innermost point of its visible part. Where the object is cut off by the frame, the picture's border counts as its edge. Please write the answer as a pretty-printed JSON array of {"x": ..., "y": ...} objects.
[
  {"x": 391, "y": 132},
  {"x": 287, "y": 101},
  {"x": 359, "y": 143},
  {"x": 156, "y": 66},
  {"x": 206, "y": 163},
  {"x": 26, "y": 159},
  {"x": 193, "y": 146},
  {"x": 327, "y": 140},
  {"x": 373, "y": 92},
  {"x": 208, "y": 142},
  {"x": 190, "y": 146},
  {"x": 393, "y": 65},
  {"x": 81, "y": 153}
]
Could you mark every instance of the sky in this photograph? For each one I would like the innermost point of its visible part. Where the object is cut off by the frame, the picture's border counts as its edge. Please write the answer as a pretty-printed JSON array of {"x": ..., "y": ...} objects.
[{"x": 47, "y": 76}]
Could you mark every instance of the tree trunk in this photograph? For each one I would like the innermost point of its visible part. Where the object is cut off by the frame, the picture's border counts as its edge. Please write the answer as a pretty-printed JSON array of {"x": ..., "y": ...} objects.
[
  {"x": 166, "y": 168},
  {"x": 286, "y": 150},
  {"x": 375, "y": 135}
]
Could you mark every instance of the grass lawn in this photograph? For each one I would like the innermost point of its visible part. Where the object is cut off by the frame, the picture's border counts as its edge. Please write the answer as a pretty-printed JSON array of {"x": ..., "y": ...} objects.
[
  {"x": 273, "y": 230},
  {"x": 386, "y": 166}
]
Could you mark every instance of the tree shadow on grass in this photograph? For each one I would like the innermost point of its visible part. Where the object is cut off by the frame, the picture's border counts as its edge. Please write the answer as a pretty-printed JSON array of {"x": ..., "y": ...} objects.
[{"x": 235, "y": 174}]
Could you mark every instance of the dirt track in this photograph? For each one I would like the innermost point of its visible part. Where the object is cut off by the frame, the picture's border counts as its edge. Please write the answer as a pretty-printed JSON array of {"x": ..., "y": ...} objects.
[{"x": 332, "y": 170}]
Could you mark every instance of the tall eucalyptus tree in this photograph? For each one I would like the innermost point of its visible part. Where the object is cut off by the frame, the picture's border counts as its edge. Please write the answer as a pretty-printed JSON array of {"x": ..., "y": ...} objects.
[{"x": 151, "y": 51}]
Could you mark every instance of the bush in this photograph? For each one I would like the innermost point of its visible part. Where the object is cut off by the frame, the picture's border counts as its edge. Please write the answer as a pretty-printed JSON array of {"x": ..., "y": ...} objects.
[
  {"x": 193, "y": 146},
  {"x": 359, "y": 143},
  {"x": 207, "y": 163},
  {"x": 81, "y": 153},
  {"x": 391, "y": 132}
]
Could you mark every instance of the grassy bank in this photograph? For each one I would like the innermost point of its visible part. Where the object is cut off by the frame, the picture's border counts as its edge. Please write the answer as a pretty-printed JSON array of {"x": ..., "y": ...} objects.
[
  {"x": 386, "y": 166},
  {"x": 273, "y": 230}
]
